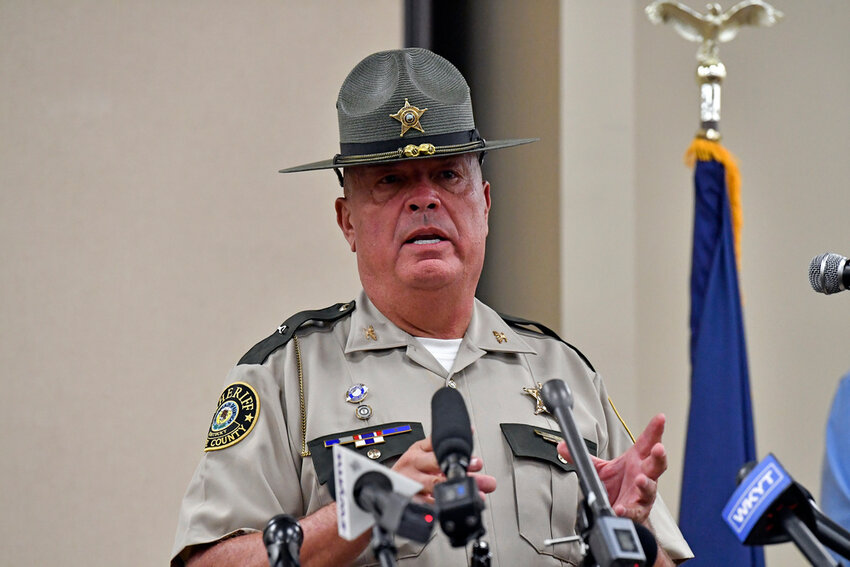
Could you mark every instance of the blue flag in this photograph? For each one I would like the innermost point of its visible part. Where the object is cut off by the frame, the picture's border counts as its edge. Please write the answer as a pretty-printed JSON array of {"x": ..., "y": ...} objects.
[{"x": 720, "y": 423}]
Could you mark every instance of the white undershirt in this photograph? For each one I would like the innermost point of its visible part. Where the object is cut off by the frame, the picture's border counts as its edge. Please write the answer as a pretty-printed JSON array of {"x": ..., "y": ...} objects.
[{"x": 444, "y": 350}]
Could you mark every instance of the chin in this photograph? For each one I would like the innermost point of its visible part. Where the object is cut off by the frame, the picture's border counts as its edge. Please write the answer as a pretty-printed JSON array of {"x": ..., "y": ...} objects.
[{"x": 431, "y": 277}]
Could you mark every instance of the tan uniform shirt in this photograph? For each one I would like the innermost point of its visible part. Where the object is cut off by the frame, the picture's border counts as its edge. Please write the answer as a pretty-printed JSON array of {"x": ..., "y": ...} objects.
[{"x": 239, "y": 488}]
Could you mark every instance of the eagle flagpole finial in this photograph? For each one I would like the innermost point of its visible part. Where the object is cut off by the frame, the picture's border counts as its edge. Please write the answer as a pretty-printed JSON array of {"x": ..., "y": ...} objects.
[{"x": 709, "y": 30}]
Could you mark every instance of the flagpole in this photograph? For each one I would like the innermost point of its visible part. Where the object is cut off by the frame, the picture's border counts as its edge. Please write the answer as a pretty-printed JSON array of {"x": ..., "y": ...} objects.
[{"x": 721, "y": 436}]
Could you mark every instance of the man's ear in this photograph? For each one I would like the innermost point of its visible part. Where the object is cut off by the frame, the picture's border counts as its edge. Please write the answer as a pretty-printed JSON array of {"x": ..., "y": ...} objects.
[
  {"x": 343, "y": 219},
  {"x": 487, "y": 200}
]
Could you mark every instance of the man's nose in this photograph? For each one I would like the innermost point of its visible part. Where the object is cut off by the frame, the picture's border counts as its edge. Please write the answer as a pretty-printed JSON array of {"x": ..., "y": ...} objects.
[{"x": 424, "y": 195}]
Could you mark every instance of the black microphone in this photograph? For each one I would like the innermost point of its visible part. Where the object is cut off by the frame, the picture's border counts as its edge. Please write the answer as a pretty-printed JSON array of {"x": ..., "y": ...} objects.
[
  {"x": 769, "y": 507},
  {"x": 458, "y": 502},
  {"x": 648, "y": 543},
  {"x": 283, "y": 537},
  {"x": 395, "y": 513},
  {"x": 451, "y": 433},
  {"x": 829, "y": 273},
  {"x": 612, "y": 540}
]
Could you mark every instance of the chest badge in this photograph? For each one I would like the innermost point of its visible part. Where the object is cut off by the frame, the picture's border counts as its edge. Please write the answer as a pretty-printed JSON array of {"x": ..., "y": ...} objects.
[
  {"x": 540, "y": 407},
  {"x": 238, "y": 408},
  {"x": 356, "y": 393},
  {"x": 363, "y": 412}
]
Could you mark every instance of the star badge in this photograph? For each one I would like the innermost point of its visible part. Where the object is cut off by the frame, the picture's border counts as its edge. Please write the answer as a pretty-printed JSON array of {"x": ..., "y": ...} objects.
[
  {"x": 535, "y": 393},
  {"x": 409, "y": 117}
]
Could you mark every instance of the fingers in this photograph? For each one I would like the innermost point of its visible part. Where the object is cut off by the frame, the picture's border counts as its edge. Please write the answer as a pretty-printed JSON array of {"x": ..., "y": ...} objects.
[
  {"x": 638, "y": 507},
  {"x": 564, "y": 451},
  {"x": 425, "y": 444},
  {"x": 651, "y": 435},
  {"x": 656, "y": 463},
  {"x": 420, "y": 464},
  {"x": 486, "y": 483},
  {"x": 421, "y": 457}
]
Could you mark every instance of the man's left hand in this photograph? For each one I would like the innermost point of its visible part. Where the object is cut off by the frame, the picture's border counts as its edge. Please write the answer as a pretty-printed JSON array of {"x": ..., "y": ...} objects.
[{"x": 632, "y": 478}]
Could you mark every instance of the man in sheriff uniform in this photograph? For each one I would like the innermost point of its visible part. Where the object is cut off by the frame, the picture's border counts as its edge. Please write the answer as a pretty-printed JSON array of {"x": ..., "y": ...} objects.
[{"x": 414, "y": 211}]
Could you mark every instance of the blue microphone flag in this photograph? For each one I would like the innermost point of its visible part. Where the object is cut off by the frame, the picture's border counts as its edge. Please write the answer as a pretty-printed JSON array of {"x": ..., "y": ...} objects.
[{"x": 756, "y": 493}]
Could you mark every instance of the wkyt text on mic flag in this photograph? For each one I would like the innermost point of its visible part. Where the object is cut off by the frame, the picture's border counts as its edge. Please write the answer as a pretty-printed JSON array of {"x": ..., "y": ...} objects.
[{"x": 720, "y": 422}]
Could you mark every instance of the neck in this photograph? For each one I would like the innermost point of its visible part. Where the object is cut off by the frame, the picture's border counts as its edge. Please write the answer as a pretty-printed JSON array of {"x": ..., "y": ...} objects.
[{"x": 437, "y": 314}]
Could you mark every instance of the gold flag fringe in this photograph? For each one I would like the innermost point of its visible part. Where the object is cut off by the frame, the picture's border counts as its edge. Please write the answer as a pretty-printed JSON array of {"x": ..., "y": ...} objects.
[{"x": 706, "y": 150}]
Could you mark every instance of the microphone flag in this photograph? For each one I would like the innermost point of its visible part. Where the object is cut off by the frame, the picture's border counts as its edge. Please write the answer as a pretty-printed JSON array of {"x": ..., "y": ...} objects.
[
  {"x": 348, "y": 467},
  {"x": 720, "y": 421}
]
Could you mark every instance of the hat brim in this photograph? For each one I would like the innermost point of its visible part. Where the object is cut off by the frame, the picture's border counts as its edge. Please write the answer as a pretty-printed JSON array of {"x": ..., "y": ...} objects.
[{"x": 488, "y": 146}]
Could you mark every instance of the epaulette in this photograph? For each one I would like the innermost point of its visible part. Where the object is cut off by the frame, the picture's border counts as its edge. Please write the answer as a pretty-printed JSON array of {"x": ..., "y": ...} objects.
[
  {"x": 263, "y": 349},
  {"x": 543, "y": 329}
]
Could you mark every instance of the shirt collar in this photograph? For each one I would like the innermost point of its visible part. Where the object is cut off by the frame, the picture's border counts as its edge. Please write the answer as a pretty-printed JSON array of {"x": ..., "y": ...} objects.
[
  {"x": 489, "y": 332},
  {"x": 371, "y": 330}
]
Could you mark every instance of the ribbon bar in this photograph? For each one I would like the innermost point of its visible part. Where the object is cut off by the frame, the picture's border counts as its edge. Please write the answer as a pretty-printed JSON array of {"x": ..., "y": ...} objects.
[{"x": 370, "y": 438}]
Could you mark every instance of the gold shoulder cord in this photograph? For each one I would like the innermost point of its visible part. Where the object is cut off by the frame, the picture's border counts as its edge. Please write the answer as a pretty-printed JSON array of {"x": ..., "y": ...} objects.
[
  {"x": 621, "y": 420},
  {"x": 304, "y": 451}
]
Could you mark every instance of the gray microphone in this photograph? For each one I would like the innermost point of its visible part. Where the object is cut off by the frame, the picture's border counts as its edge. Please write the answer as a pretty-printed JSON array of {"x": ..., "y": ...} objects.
[{"x": 829, "y": 273}]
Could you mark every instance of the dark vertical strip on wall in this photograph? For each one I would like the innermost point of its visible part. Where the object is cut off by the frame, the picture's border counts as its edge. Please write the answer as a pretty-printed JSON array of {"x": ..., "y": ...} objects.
[
  {"x": 417, "y": 23},
  {"x": 508, "y": 52},
  {"x": 442, "y": 27}
]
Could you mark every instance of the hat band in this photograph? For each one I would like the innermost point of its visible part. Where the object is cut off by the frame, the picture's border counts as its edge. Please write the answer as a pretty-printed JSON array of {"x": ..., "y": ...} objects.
[
  {"x": 455, "y": 142},
  {"x": 410, "y": 151}
]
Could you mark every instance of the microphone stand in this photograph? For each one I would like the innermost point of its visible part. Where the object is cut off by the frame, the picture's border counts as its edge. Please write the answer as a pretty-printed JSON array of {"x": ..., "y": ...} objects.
[
  {"x": 832, "y": 535},
  {"x": 806, "y": 541},
  {"x": 383, "y": 546},
  {"x": 611, "y": 540},
  {"x": 480, "y": 554},
  {"x": 393, "y": 513},
  {"x": 828, "y": 532}
]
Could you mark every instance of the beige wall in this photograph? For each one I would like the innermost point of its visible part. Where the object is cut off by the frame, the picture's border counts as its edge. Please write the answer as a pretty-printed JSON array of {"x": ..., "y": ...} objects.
[
  {"x": 629, "y": 110},
  {"x": 785, "y": 117},
  {"x": 515, "y": 47},
  {"x": 148, "y": 240}
]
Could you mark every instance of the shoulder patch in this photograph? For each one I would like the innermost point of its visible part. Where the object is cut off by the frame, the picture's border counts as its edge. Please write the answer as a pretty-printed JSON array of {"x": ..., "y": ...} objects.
[
  {"x": 544, "y": 330},
  {"x": 263, "y": 349},
  {"x": 237, "y": 412}
]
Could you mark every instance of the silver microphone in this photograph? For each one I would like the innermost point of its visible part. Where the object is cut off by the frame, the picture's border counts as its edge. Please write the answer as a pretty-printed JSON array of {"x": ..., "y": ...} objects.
[{"x": 829, "y": 273}]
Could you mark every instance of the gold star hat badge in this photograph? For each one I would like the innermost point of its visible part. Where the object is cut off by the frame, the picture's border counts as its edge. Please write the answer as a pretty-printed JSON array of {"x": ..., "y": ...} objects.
[{"x": 409, "y": 117}]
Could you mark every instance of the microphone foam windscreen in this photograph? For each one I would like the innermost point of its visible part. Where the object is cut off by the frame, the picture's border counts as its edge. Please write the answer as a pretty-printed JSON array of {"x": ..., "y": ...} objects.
[
  {"x": 648, "y": 543},
  {"x": 450, "y": 429}
]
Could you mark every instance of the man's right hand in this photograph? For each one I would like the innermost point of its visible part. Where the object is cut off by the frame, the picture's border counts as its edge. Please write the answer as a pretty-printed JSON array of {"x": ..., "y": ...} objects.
[{"x": 420, "y": 464}]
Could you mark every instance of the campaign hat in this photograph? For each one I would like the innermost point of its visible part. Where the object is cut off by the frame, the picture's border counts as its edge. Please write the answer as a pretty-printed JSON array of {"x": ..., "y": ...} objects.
[{"x": 404, "y": 104}]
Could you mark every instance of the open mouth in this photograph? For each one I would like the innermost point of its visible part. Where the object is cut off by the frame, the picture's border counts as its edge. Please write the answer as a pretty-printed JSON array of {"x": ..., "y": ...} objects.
[{"x": 423, "y": 239}]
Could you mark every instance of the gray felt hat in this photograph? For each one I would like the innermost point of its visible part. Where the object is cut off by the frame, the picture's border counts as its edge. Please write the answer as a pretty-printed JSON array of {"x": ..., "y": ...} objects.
[{"x": 404, "y": 104}]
